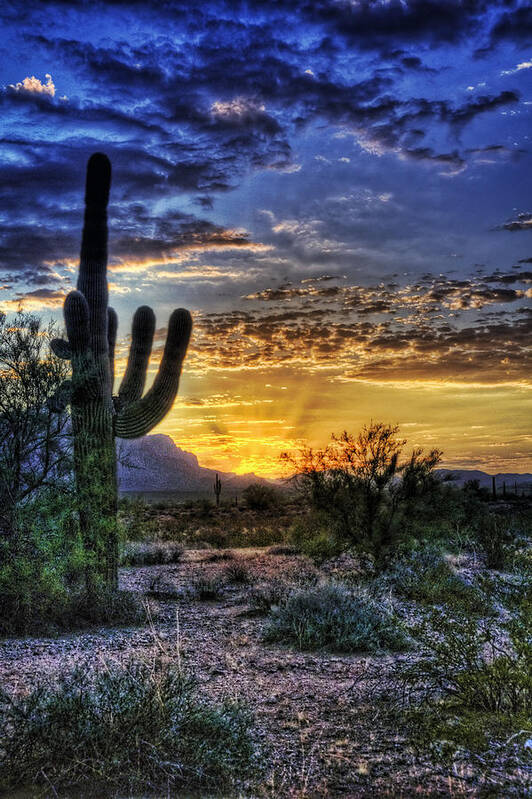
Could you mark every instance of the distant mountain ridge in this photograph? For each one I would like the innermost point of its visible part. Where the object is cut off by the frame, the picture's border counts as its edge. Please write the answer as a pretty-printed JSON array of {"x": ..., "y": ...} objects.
[
  {"x": 461, "y": 476},
  {"x": 155, "y": 463}
]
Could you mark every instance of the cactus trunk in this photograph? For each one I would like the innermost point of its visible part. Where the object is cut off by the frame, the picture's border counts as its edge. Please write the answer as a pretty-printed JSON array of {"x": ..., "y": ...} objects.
[
  {"x": 98, "y": 416},
  {"x": 97, "y": 493}
]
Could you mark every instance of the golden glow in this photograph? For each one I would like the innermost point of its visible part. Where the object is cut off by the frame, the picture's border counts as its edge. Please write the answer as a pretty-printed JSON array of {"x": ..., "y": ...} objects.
[{"x": 482, "y": 427}]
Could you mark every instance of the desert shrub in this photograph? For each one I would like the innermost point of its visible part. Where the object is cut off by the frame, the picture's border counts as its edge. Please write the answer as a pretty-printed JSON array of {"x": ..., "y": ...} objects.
[
  {"x": 272, "y": 594},
  {"x": 261, "y": 497},
  {"x": 219, "y": 555},
  {"x": 332, "y": 617},
  {"x": 134, "y": 728},
  {"x": 205, "y": 508},
  {"x": 102, "y": 606},
  {"x": 207, "y": 586},
  {"x": 151, "y": 553},
  {"x": 497, "y": 540},
  {"x": 283, "y": 549},
  {"x": 301, "y": 574},
  {"x": 42, "y": 574},
  {"x": 424, "y": 575},
  {"x": 358, "y": 484},
  {"x": 237, "y": 573},
  {"x": 256, "y": 536},
  {"x": 520, "y": 562},
  {"x": 471, "y": 685},
  {"x": 313, "y": 536}
]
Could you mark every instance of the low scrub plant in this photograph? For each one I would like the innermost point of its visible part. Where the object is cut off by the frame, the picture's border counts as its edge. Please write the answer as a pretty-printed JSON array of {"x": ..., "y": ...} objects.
[
  {"x": 471, "y": 687},
  {"x": 237, "y": 573},
  {"x": 332, "y": 617},
  {"x": 137, "y": 553},
  {"x": 313, "y": 536},
  {"x": 283, "y": 549},
  {"x": 207, "y": 587},
  {"x": 425, "y": 576},
  {"x": 497, "y": 540},
  {"x": 263, "y": 598},
  {"x": 134, "y": 728},
  {"x": 218, "y": 555}
]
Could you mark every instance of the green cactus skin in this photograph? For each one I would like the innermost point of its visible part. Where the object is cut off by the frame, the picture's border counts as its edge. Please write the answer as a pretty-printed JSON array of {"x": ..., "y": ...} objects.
[{"x": 98, "y": 416}]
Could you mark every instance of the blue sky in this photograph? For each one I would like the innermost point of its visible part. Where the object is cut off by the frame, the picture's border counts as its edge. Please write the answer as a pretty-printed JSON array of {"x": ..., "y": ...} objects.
[{"x": 339, "y": 191}]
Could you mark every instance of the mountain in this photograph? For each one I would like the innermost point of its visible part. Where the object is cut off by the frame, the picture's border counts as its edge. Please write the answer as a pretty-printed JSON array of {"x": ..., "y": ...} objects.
[
  {"x": 155, "y": 463},
  {"x": 460, "y": 476}
]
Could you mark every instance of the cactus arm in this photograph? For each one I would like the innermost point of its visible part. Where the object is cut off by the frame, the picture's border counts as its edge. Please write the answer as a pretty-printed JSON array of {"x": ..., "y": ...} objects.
[
  {"x": 142, "y": 333},
  {"x": 76, "y": 312},
  {"x": 61, "y": 348},
  {"x": 141, "y": 416},
  {"x": 86, "y": 383},
  {"x": 92, "y": 281},
  {"x": 112, "y": 326}
]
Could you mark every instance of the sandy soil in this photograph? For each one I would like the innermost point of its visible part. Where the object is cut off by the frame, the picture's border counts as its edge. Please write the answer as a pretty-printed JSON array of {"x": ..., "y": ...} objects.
[{"x": 317, "y": 722}]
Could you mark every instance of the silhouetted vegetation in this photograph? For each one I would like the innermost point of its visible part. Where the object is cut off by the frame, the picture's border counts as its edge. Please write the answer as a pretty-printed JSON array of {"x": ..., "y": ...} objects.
[
  {"x": 259, "y": 496},
  {"x": 358, "y": 486}
]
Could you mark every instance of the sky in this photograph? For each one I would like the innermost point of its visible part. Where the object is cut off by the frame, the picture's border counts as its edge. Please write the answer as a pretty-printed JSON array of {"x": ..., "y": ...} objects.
[{"x": 339, "y": 191}]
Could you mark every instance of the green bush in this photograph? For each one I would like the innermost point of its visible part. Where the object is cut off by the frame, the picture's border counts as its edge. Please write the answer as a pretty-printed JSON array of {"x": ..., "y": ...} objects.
[
  {"x": 424, "y": 575},
  {"x": 261, "y": 497},
  {"x": 332, "y": 617},
  {"x": 470, "y": 686},
  {"x": 497, "y": 540},
  {"x": 270, "y": 595},
  {"x": 134, "y": 728},
  {"x": 312, "y": 536},
  {"x": 42, "y": 575}
]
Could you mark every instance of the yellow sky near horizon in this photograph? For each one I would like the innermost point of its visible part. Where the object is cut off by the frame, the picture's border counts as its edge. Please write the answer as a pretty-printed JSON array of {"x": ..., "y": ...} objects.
[
  {"x": 244, "y": 427},
  {"x": 297, "y": 362}
]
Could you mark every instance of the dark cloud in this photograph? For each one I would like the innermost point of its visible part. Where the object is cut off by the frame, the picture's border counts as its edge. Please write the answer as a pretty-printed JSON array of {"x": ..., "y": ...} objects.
[
  {"x": 522, "y": 222},
  {"x": 514, "y": 24},
  {"x": 374, "y": 332}
]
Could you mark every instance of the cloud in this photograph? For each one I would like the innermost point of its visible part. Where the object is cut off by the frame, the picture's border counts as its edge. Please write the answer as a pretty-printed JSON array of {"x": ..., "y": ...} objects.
[
  {"x": 513, "y": 25},
  {"x": 34, "y": 86},
  {"x": 429, "y": 330},
  {"x": 522, "y": 222},
  {"x": 518, "y": 68},
  {"x": 37, "y": 300}
]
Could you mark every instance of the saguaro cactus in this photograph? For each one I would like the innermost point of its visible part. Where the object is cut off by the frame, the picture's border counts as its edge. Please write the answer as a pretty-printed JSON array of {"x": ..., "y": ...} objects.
[
  {"x": 217, "y": 488},
  {"x": 98, "y": 416}
]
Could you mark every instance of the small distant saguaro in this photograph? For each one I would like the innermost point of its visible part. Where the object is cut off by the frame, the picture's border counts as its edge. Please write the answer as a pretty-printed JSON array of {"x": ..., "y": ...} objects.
[
  {"x": 98, "y": 416},
  {"x": 217, "y": 489}
]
